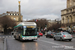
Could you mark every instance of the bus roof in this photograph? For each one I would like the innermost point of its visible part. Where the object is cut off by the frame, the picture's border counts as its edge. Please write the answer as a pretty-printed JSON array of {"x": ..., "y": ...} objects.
[{"x": 25, "y": 24}]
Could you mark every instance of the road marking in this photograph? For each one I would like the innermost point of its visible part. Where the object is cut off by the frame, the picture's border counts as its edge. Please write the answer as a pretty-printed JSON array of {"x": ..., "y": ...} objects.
[
  {"x": 9, "y": 36},
  {"x": 66, "y": 47},
  {"x": 3, "y": 37},
  {"x": 12, "y": 36},
  {"x": 50, "y": 42},
  {"x": 6, "y": 36}
]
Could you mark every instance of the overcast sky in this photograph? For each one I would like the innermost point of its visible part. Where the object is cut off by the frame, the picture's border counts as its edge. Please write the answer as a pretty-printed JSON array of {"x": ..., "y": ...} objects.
[{"x": 33, "y": 9}]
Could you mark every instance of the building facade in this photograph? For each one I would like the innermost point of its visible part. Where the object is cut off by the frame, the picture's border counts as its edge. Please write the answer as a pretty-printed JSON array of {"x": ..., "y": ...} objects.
[
  {"x": 17, "y": 16},
  {"x": 12, "y": 15},
  {"x": 68, "y": 14},
  {"x": 53, "y": 22}
]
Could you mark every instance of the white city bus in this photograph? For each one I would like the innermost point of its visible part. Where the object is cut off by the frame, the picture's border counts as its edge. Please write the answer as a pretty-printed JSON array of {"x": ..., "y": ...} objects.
[{"x": 26, "y": 31}]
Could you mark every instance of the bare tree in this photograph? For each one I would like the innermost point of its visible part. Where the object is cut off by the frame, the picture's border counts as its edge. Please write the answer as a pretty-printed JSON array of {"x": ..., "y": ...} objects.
[
  {"x": 42, "y": 23},
  {"x": 54, "y": 26},
  {"x": 6, "y": 22}
]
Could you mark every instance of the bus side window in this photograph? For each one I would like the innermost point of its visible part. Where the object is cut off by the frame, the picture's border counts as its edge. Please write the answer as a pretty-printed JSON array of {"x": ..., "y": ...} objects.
[{"x": 20, "y": 29}]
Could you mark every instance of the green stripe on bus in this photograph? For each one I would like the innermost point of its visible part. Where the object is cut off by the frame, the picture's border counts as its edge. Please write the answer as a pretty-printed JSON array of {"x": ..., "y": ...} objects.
[
  {"x": 29, "y": 36},
  {"x": 21, "y": 35},
  {"x": 17, "y": 26}
]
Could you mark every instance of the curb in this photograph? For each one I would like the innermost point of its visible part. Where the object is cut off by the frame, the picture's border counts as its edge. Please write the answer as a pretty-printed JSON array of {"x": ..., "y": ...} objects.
[{"x": 5, "y": 44}]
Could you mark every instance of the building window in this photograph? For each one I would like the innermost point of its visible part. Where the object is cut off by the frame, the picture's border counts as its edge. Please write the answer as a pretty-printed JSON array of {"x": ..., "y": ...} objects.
[
  {"x": 11, "y": 14},
  {"x": 68, "y": 20},
  {"x": 17, "y": 14},
  {"x": 8, "y": 14},
  {"x": 14, "y": 14},
  {"x": 67, "y": 11}
]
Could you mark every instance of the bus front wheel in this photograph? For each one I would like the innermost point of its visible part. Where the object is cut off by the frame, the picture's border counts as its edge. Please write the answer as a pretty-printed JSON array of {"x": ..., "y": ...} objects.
[{"x": 32, "y": 40}]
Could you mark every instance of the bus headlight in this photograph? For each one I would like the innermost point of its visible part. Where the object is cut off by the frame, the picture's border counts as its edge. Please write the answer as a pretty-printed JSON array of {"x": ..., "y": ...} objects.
[{"x": 23, "y": 38}]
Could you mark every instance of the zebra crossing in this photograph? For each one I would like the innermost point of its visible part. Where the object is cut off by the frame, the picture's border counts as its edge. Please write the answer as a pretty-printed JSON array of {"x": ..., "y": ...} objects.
[{"x": 6, "y": 36}]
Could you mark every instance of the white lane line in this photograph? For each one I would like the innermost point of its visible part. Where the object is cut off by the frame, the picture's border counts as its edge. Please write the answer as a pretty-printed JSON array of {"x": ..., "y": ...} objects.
[
  {"x": 12, "y": 36},
  {"x": 6, "y": 36},
  {"x": 3, "y": 37},
  {"x": 66, "y": 47},
  {"x": 9, "y": 36},
  {"x": 50, "y": 42}
]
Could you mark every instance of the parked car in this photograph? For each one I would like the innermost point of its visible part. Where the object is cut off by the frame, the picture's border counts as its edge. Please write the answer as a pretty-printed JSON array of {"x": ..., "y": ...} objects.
[
  {"x": 50, "y": 34},
  {"x": 40, "y": 34},
  {"x": 63, "y": 36},
  {"x": 73, "y": 31},
  {"x": 53, "y": 33}
]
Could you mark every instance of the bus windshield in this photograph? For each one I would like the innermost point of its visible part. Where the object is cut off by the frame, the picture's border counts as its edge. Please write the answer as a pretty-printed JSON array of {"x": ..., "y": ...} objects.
[{"x": 29, "y": 32}]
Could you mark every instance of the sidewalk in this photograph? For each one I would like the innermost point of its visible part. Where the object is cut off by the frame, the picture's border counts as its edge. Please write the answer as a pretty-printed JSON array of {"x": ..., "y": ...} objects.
[{"x": 1, "y": 44}]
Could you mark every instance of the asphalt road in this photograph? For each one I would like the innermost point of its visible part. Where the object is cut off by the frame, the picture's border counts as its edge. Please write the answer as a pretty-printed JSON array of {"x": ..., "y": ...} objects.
[
  {"x": 42, "y": 43},
  {"x": 1, "y": 44}
]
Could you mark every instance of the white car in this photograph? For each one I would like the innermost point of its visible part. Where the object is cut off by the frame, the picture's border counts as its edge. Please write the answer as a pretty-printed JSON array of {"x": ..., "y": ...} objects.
[{"x": 63, "y": 36}]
